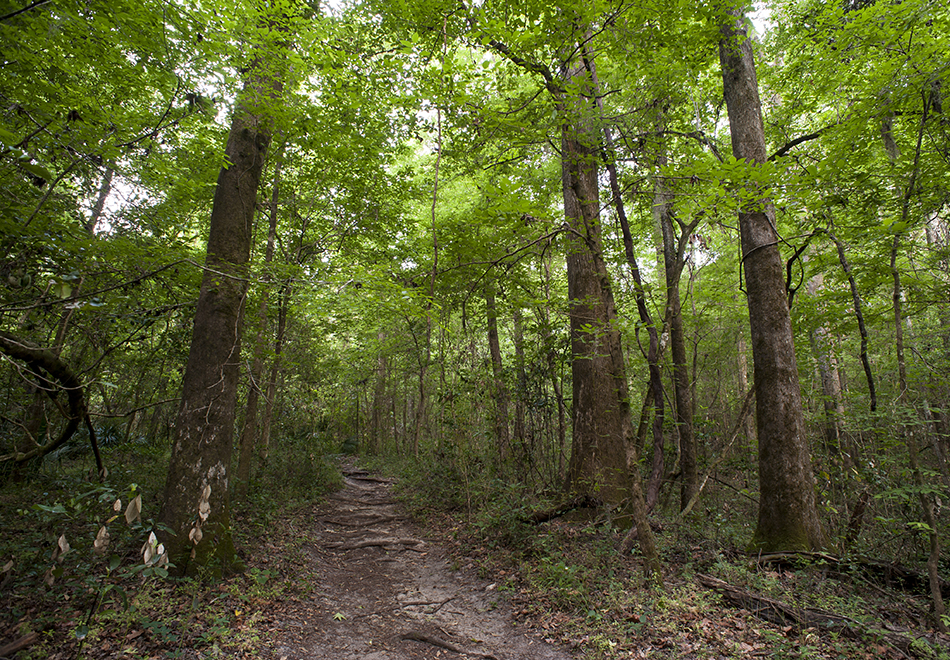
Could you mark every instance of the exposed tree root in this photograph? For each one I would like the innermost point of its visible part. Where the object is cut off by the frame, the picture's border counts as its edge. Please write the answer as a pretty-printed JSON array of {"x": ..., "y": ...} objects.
[
  {"x": 377, "y": 543},
  {"x": 442, "y": 644}
]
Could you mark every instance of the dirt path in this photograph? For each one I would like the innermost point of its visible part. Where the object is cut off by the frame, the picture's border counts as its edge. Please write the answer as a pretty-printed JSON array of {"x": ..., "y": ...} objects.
[{"x": 383, "y": 593}]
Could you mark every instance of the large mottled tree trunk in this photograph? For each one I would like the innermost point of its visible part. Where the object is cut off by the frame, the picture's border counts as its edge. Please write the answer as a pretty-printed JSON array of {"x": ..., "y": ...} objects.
[
  {"x": 657, "y": 468},
  {"x": 196, "y": 509},
  {"x": 601, "y": 410},
  {"x": 788, "y": 518},
  {"x": 603, "y": 459},
  {"x": 256, "y": 373}
]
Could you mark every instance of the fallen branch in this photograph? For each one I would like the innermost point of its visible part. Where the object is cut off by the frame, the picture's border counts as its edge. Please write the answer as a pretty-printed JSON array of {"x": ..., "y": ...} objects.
[
  {"x": 579, "y": 502},
  {"x": 822, "y": 621},
  {"x": 19, "y": 644},
  {"x": 894, "y": 575},
  {"x": 378, "y": 480}
]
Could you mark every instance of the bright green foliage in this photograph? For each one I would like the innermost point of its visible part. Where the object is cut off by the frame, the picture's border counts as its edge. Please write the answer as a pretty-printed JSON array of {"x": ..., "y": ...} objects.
[{"x": 383, "y": 262}]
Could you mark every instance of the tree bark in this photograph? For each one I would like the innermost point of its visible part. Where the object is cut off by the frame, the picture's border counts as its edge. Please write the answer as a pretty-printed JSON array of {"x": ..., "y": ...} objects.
[
  {"x": 673, "y": 259},
  {"x": 828, "y": 374},
  {"x": 859, "y": 315},
  {"x": 748, "y": 423},
  {"x": 788, "y": 518},
  {"x": 378, "y": 414},
  {"x": 910, "y": 439},
  {"x": 47, "y": 361},
  {"x": 518, "y": 337},
  {"x": 255, "y": 375},
  {"x": 603, "y": 459},
  {"x": 270, "y": 399},
  {"x": 196, "y": 509},
  {"x": 499, "y": 390}
]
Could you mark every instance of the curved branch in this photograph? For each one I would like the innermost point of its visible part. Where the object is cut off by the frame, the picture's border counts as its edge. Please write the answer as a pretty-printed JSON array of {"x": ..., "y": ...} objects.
[{"x": 44, "y": 360}]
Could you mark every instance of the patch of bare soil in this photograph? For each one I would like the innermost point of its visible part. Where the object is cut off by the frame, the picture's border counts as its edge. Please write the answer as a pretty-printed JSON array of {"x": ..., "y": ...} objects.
[{"x": 381, "y": 592}]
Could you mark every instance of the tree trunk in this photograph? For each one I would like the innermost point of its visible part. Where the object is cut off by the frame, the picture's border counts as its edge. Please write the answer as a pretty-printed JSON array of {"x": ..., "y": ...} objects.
[
  {"x": 196, "y": 510},
  {"x": 828, "y": 375},
  {"x": 910, "y": 439},
  {"x": 673, "y": 255},
  {"x": 519, "y": 430},
  {"x": 378, "y": 415},
  {"x": 598, "y": 462},
  {"x": 499, "y": 389},
  {"x": 859, "y": 315},
  {"x": 270, "y": 399},
  {"x": 603, "y": 459},
  {"x": 249, "y": 433},
  {"x": 657, "y": 467},
  {"x": 788, "y": 518},
  {"x": 748, "y": 423}
]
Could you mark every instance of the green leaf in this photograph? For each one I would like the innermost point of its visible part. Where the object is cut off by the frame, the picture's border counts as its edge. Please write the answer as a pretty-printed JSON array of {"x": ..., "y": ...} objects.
[
  {"x": 8, "y": 138},
  {"x": 39, "y": 171}
]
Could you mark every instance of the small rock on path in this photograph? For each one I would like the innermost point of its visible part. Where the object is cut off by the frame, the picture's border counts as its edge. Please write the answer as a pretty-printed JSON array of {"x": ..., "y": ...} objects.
[{"x": 380, "y": 592}]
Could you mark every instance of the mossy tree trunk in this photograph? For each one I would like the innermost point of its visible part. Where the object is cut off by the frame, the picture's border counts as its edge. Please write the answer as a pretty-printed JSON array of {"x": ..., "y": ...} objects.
[
  {"x": 788, "y": 517},
  {"x": 196, "y": 508}
]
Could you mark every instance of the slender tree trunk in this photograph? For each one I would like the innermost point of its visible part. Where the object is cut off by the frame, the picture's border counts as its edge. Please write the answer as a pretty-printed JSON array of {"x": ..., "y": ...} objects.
[
  {"x": 500, "y": 391},
  {"x": 859, "y": 315},
  {"x": 270, "y": 399},
  {"x": 104, "y": 189},
  {"x": 377, "y": 420},
  {"x": 196, "y": 511},
  {"x": 519, "y": 430},
  {"x": 553, "y": 374},
  {"x": 748, "y": 423},
  {"x": 910, "y": 438},
  {"x": 657, "y": 468},
  {"x": 788, "y": 518},
  {"x": 828, "y": 375},
  {"x": 673, "y": 255}
]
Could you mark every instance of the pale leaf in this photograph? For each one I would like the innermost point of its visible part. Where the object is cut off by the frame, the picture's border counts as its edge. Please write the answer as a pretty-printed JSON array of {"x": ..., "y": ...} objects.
[
  {"x": 133, "y": 512},
  {"x": 101, "y": 543}
]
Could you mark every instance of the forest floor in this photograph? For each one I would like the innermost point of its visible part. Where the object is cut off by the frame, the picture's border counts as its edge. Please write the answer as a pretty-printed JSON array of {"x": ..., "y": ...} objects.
[
  {"x": 382, "y": 592},
  {"x": 353, "y": 577}
]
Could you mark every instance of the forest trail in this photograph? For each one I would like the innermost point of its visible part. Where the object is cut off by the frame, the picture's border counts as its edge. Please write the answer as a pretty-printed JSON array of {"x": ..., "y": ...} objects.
[{"x": 380, "y": 592}]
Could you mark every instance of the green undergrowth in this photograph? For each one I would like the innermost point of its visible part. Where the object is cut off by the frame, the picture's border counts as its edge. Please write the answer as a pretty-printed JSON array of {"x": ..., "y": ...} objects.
[
  {"x": 567, "y": 580},
  {"x": 76, "y": 592}
]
